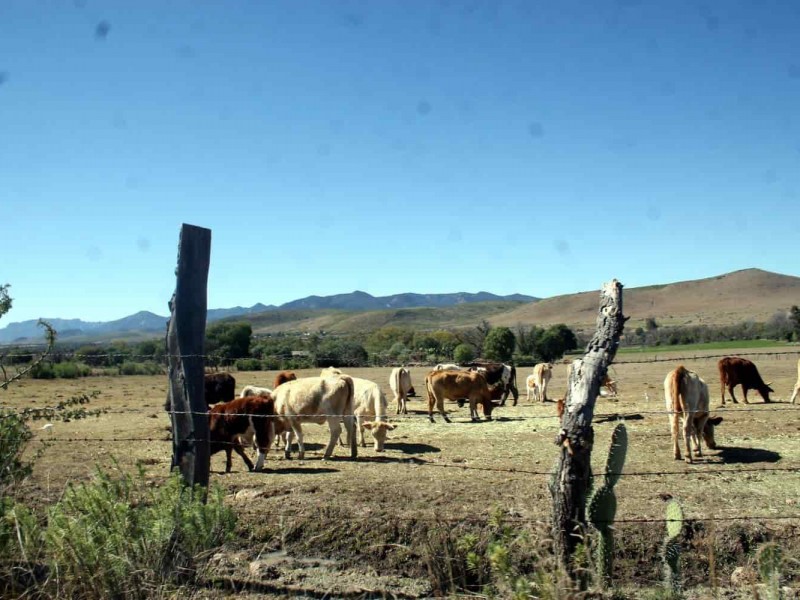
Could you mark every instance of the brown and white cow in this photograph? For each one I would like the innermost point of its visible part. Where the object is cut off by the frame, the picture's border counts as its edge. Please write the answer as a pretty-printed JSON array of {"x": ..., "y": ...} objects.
[
  {"x": 400, "y": 384},
  {"x": 734, "y": 371},
  {"x": 283, "y": 377},
  {"x": 796, "y": 390},
  {"x": 455, "y": 385},
  {"x": 253, "y": 390},
  {"x": 233, "y": 424},
  {"x": 316, "y": 400},
  {"x": 687, "y": 399},
  {"x": 537, "y": 382}
]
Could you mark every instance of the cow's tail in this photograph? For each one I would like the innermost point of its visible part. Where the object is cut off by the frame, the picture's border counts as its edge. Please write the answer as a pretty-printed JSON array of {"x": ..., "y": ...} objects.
[{"x": 678, "y": 395}]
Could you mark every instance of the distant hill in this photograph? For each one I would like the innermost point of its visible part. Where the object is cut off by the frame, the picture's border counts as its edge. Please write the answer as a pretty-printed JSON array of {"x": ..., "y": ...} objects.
[
  {"x": 749, "y": 294},
  {"x": 145, "y": 324}
]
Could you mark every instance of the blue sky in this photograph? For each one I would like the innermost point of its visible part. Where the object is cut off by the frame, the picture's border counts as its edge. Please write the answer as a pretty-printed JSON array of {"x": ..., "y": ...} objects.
[{"x": 532, "y": 147}]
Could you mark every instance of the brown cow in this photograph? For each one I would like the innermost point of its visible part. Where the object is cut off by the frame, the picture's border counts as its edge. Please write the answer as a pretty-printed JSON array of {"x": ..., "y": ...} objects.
[
  {"x": 735, "y": 371},
  {"x": 686, "y": 397},
  {"x": 461, "y": 384},
  {"x": 220, "y": 387},
  {"x": 283, "y": 377},
  {"x": 234, "y": 423}
]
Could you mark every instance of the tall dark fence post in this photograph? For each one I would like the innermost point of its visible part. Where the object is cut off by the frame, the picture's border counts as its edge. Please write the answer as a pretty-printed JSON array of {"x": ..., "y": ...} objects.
[
  {"x": 185, "y": 349},
  {"x": 570, "y": 483}
]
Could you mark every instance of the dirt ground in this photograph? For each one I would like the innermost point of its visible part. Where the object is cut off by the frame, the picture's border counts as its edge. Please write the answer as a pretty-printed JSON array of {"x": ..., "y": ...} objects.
[{"x": 358, "y": 521}]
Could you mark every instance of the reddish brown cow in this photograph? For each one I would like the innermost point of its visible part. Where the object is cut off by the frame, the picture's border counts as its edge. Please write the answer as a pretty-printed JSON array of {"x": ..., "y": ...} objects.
[
  {"x": 283, "y": 377},
  {"x": 735, "y": 371},
  {"x": 461, "y": 384},
  {"x": 233, "y": 424},
  {"x": 220, "y": 387}
]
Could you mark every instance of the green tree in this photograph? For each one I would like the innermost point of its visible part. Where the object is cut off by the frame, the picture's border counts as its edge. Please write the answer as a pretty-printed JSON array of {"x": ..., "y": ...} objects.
[
  {"x": 341, "y": 353},
  {"x": 555, "y": 342},
  {"x": 383, "y": 339},
  {"x": 464, "y": 353},
  {"x": 447, "y": 341},
  {"x": 229, "y": 341},
  {"x": 794, "y": 318},
  {"x": 499, "y": 344}
]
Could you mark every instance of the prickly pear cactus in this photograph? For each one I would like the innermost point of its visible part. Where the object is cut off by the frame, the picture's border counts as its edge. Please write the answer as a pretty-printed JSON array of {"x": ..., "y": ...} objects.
[
  {"x": 770, "y": 561},
  {"x": 603, "y": 504},
  {"x": 671, "y": 551}
]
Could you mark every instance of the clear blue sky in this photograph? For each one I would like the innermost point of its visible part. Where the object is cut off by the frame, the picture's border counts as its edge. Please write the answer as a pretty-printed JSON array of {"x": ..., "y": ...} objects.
[{"x": 532, "y": 147}]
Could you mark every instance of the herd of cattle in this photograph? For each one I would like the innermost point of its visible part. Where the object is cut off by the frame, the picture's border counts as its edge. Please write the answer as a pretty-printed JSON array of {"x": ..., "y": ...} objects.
[{"x": 260, "y": 415}]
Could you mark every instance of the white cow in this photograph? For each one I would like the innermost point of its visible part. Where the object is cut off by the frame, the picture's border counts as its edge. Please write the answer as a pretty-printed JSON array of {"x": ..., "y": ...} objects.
[
  {"x": 254, "y": 390},
  {"x": 686, "y": 397},
  {"x": 400, "y": 383},
  {"x": 447, "y": 367},
  {"x": 796, "y": 385},
  {"x": 316, "y": 400},
  {"x": 537, "y": 382}
]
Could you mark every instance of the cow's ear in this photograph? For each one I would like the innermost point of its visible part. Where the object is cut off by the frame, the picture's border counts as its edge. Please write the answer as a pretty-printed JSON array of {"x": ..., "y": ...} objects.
[
  {"x": 368, "y": 425},
  {"x": 391, "y": 427},
  {"x": 715, "y": 420}
]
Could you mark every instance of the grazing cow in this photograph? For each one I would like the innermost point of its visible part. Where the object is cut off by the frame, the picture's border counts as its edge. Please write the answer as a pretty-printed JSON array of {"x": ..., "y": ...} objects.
[
  {"x": 735, "y": 371},
  {"x": 234, "y": 423},
  {"x": 400, "y": 383},
  {"x": 687, "y": 399},
  {"x": 447, "y": 367},
  {"x": 541, "y": 377},
  {"x": 369, "y": 408},
  {"x": 254, "y": 390},
  {"x": 283, "y": 377},
  {"x": 796, "y": 385},
  {"x": 498, "y": 373},
  {"x": 220, "y": 387},
  {"x": 316, "y": 400},
  {"x": 461, "y": 384}
]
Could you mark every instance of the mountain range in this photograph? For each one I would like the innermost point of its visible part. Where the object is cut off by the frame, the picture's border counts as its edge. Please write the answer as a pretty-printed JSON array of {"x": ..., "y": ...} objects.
[
  {"x": 145, "y": 323},
  {"x": 745, "y": 295}
]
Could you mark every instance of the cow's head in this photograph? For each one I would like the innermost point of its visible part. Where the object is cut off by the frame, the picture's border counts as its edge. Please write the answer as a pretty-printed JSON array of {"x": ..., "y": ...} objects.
[
  {"x": 765, "y": 391},
  {"x": 488, "y": 407},
  {"x": 379, "y": 429},
  {"x": 411, "y": 391},
  {"x": 708, "y": 431},
  {"x": 496, "y": 391}
]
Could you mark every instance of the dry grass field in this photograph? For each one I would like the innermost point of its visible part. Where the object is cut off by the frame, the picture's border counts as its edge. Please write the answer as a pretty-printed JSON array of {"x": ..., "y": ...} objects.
[{"x": 343, "y": 526}]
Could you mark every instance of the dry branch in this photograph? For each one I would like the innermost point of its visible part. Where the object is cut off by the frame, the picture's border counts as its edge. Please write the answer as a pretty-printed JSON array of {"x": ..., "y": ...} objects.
[{"x": 50, "y": 336}]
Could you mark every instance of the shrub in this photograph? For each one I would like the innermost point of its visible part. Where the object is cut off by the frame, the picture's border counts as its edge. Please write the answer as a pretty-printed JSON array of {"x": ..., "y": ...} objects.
[
  {"x": 117, "y": 537},
  {"x": 71, "y": 370},
  {"x": 43, "y": 370},
  {"x": 464, "y": 353},
  {"x": 248, "y": 364},
  {"x": 145, "y": 368}
]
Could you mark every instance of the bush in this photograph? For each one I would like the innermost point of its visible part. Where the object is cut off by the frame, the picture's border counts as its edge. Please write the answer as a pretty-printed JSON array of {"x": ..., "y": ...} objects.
[
  {"x": 117, "y": 537},
  {"x": 464, "y": 353},
  {"x": 71, "y": 370},
  {"x": 145, "y": 368},
  {"x": 43, "y": 370},
  {"x": 248, "y": 364}
]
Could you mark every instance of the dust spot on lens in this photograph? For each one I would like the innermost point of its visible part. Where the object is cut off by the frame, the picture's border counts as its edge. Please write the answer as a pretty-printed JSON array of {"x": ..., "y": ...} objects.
[{"x": 424, "y": 107}]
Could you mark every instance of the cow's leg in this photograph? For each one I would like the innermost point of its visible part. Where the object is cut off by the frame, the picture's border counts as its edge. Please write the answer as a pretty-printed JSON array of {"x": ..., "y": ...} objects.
[
  {"x": 528, "y": 394},
  {"x": 699, "y": 427},
  {"x": 334, "y": 424},
  {"x": 795, "y": 392},
  {"x": 361, "y": 429},
  {"x": 288, "y": 438},
  {"x": 228, "y": 463},
  {"x": 350, "y": 425},
  {"x": 399, "y": 403},
  {"x": 473, "y": 410},
  {"x": 240, "y": 451},
  {"x": 440, "y": 407},
  {"x": 515, "y": 394},
  {"x": 674, "y": 423},
  {"x": 688, "y": 422},
  {"x": 404, "y": 399},
  {"x": 544, "y": 392},
  {"x": 733, "y": 396},
  {"x": 744, "y": 393},
  {"x": 301, "y": 448},
  {"x": 431, "y": 401}
]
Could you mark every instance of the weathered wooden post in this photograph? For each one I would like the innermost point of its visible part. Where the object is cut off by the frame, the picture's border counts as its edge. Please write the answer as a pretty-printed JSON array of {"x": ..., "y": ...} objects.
[
  {"x": 186, "y": 332},
  {"x": 571, "y": 481}
]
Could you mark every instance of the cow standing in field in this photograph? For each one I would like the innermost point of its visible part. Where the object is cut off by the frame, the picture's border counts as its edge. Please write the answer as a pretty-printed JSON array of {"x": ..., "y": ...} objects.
[
  {"x": 461, "y": 384},
  {"x": 254, "y": 390},
  {"x": 537, "y": 382},
  {"x": 219, "y": 387},
  {"x": 447, "y": 367},
  {"x": 316, "y": 400},
  {"x": 796, "y": 390},
  {"x": 234, "y": 424},
  {"x": 734, "y": 371},
  {"x": 495, "y": 373},
  {"x": 400, "y": 383},
  {"x": 687, "y": 399}
]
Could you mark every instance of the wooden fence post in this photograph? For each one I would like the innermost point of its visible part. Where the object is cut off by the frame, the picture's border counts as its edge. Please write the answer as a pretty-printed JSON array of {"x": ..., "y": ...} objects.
[
  {"x": 571, "y": 481},
  {"x": 186, "y": 332}
]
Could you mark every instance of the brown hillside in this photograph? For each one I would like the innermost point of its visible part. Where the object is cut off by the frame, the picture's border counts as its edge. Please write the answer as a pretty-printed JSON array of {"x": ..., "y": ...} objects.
[{"x": 731, "y": 298}]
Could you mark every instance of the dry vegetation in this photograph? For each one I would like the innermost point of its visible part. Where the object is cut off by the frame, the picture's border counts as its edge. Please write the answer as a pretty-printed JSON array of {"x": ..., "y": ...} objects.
[{"x": 342, "y": 526}]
